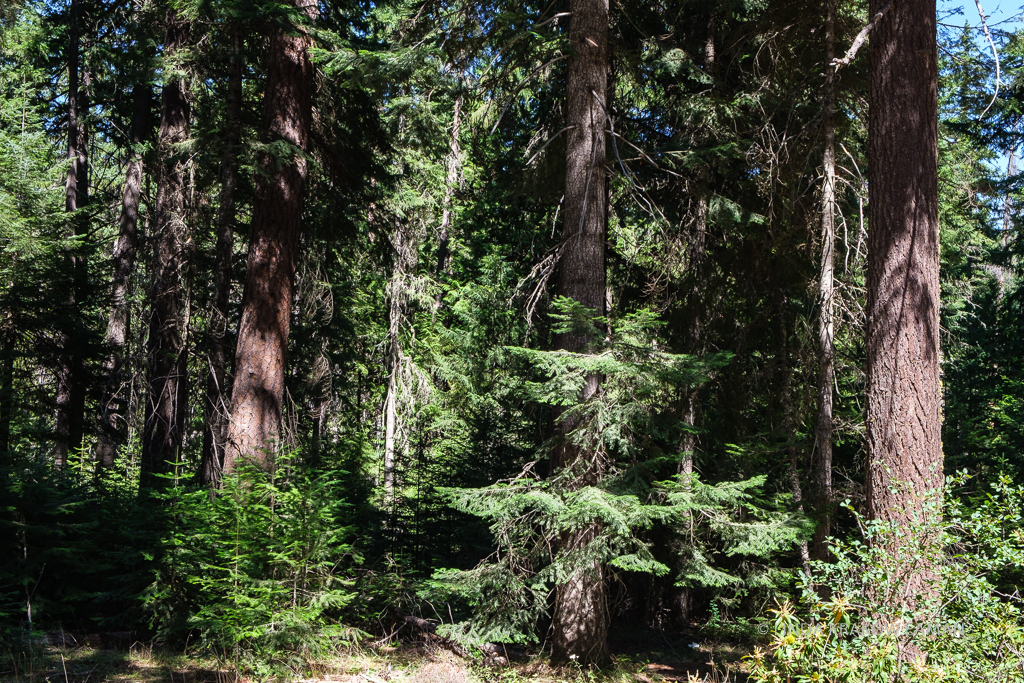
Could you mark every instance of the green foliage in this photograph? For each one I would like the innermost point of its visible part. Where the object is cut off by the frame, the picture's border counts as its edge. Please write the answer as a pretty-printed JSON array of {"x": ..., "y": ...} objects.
[
  {"x": 624, "y": 427},
  {"x": 967, "y": 622},
  {"x": 260, "y": 571}
]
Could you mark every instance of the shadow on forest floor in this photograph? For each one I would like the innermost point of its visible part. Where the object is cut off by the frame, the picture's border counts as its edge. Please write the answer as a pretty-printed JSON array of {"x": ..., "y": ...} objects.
[
  {"x": 641, "y": 658},
  {"x": 69, "y": 662}
]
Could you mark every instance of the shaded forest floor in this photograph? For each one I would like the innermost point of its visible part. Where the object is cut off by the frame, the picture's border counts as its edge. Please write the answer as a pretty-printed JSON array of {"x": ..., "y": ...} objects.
[{"x": 636, "y": 661}]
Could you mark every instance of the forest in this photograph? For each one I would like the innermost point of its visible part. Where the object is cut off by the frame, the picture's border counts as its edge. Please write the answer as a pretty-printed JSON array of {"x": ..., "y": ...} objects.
[{"x": 566, "y": 332}]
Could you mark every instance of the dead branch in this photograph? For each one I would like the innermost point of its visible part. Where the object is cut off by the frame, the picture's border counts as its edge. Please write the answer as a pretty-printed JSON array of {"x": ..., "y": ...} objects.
[{"x": 859, "y": 40}]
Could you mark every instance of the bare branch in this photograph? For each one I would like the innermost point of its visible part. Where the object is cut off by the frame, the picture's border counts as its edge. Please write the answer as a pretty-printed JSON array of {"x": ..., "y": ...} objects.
[
  {"x": 995, "y": 54},
  {"x": 545, "y": 145},
  {"x": 846, "y": 59}
]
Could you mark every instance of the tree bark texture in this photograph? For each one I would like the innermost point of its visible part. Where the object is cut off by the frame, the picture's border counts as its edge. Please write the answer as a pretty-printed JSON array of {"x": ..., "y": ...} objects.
[
  {"x": 580, "y": 622},
  {"x": 216, "y": 423},
  {"x": 903, "y": 392},
  {"x": 258, "y": 393},
  {"x": 166, "y": 350},
  {"x": 113, "y": 408},
  {"x": 70, "y": 394},
  {"x": 822, "y": 487}
]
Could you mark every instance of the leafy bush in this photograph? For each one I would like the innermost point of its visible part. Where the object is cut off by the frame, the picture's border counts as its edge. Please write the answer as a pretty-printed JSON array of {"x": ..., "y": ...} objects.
[{"x": 968, "y": 627}]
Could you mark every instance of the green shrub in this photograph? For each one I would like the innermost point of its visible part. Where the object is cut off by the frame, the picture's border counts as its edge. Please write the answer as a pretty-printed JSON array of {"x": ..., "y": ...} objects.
[
  {"x": 969, "y": 627},
  {"x": 257, "y": 572}
]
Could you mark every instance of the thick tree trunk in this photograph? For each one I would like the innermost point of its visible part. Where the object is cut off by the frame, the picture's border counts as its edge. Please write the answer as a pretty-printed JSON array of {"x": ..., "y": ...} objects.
[
  {"x": 215, "y": 432},
  {"x": 168, "y": 386},
  {"x": 70, "y": 395},
  {"x": 903, "y": 391},
  {"x": 258, "y": 394},
  {"x": 580, "y": 622},
  {"x": 822, "y": 489},
  {"x": 114, "y": 402}
]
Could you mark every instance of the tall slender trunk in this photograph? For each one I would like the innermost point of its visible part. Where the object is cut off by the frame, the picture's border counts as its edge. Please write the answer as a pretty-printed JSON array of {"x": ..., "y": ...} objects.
[
  {"x": 258, "y": 394},
  {"x": 580, "y": 624},
  {"x": 396, "y": 305},
  {"x": 1008, "y": 206},
  {"x": 904, "y": 444},
  {"x": 70, "y": 396},
  {"x": 114, "y": 402},
  {"x": 166, "y": 354},
  {"x": 451, "y": 182},
  {"x": 789, "y": 429},
  {"x": 697, "y": 247},
  {"x": 215, "y": 432},
  {"x": 822, "y": 489}
]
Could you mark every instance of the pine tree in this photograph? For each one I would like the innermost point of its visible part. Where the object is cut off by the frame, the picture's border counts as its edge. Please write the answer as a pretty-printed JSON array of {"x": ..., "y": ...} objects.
[
  {"x": 580, "y": 614},
  {"x": 167, "y": 375},
  {"x": 903, "y": 389},
  {"x": 257, "y": 399}
]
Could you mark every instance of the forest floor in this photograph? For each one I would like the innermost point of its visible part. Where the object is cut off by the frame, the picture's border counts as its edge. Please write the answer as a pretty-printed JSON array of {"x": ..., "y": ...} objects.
[{"x": 636, "y": 661}]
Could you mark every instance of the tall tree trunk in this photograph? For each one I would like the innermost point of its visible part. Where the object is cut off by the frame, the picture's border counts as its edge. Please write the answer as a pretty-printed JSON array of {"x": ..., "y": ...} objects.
[
  {"x": 580, "y": 624},
  {"x": 215, "y": 432},
  {"x": 168, "y": 385},
  {"x": 822, "y": 490},
  {"x": 112, "y": 408},
  {"x": 697, "y": 247},
  {"x": 393, "y": 362},
  {"x": 70, "y": 396},
  {"x": 903, "y": 391},
  {"x": 451, "y": 182},
  {"x": 258, "y": 394},
  {"x": 789, "y": 428}
]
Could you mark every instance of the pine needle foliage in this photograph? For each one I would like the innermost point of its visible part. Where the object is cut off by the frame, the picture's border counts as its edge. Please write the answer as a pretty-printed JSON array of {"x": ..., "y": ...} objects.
[
  {"x": 625, "y": 427},
  {"x": 257, "y": 572}
]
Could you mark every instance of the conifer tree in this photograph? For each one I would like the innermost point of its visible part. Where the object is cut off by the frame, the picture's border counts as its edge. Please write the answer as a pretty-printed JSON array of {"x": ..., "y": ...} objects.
[
  {"x": 903, "y": 389},
  {"x": 70, "y": 394},
  {"x": 257, "y": 399},
  {"x": 114, "y": 400},
  {"x": 166, "y": 404},
  {"x": 217, "y": 393},
  {"x": 580, "y": 613}
]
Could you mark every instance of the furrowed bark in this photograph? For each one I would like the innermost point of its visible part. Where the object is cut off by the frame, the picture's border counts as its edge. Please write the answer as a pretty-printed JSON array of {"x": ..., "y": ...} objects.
[
  {"x": 580, "y": 624},
  {"x": 114, "y": 402},
  {"x": 216, "y": 423},
  {"x": 258, "y": 393},
  {"x": 903, "y": 390},
  {"x": 166, "y": 350}
]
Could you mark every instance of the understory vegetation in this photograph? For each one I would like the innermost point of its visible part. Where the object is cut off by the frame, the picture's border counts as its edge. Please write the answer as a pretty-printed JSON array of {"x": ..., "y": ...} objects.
[{"x": 446, "y": 341}]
